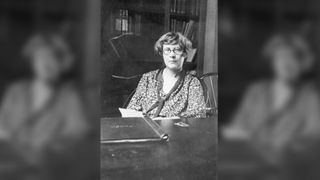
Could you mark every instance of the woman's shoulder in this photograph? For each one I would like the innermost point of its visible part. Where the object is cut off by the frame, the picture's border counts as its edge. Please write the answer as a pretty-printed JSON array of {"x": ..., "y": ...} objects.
[
  {"x": 310, "y": 88},
  {"x": 259, "y": 87},
  {"x": 151, "y": 73},
  {"x": 308, "y": 96},
  {"x": 260, "y": 84},
  {"x": 69, "y": 89},
  {"x": 70, "y": 93},
  {"x": 191, "y": 77}
]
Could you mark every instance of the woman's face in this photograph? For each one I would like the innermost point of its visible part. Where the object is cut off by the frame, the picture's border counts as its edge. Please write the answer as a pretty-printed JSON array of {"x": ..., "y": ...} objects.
[
  {"x": 286, "y": 65},
  {"x": 173, "y": 56},
  {"x": 45, "y": 64}
]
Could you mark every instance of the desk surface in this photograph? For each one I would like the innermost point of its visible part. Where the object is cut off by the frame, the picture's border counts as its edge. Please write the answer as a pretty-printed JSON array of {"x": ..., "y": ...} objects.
[{"x": 191, "y": 153}]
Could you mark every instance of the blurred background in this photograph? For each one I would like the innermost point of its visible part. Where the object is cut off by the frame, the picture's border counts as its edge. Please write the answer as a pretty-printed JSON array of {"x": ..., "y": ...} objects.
[
  {"x": 77, "y": 22},
  {"x": 21, "y": 19},
  {"x": 245, "y": 28}
]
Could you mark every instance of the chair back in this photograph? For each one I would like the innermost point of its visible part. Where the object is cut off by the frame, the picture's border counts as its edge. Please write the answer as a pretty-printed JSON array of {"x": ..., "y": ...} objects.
[
  {"x": 131, "y": 47},
  {"x": 210, "y": 82},
  {"x": 127, "y": 78}
]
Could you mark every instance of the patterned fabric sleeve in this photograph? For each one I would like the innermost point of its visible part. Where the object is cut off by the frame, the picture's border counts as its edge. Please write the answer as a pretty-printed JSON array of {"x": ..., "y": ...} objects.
[
  {"x": 136, "y": 100},
  {"x": 196, "y": 103}
]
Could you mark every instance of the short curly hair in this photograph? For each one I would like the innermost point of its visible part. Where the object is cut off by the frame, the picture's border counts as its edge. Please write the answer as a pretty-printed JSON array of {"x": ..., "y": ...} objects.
[{"x": 172, "y": 38}]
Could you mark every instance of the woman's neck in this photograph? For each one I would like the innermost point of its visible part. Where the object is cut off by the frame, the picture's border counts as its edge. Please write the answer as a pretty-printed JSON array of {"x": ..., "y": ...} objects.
[
  {"x": 42, "y": 84},
  {"x": 42, "y": 92},
  {"x": 282, "y": 93},
  {"x": 171, "y": 73}
]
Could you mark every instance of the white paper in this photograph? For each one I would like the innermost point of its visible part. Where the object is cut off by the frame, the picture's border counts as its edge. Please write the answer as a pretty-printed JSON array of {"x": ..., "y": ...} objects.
[{"x": 130, "y": 113}]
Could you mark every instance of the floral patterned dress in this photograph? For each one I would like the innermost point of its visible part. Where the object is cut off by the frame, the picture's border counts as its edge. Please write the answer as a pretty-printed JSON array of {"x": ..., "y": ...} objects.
[{"x": 185, "y": 100}]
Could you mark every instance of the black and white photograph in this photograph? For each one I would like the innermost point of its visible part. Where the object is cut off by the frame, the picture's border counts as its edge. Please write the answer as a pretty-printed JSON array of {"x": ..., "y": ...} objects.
[
  {"x": 159, "y": 83},
  {"x": 48, "y": 129},
  {"x": 269, "y": 111},
  {"x": 159, "y": 89}
]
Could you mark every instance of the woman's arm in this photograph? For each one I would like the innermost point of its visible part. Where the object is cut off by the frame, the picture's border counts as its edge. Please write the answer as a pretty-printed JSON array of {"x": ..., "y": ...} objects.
[
  {"x": 136, "y": 100},
  {"x": 196, "y": 103}
]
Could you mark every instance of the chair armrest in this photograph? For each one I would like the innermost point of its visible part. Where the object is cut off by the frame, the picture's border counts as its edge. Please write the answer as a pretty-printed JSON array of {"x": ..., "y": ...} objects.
[{"x": 126, "y": 77}]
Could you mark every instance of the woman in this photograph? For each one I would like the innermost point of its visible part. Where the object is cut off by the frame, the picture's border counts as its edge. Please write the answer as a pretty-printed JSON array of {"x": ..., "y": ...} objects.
[
  {"x": 282, "y": 114},
  {"x": 43, "y": 116},
  {"x": 170, "y": 91}
]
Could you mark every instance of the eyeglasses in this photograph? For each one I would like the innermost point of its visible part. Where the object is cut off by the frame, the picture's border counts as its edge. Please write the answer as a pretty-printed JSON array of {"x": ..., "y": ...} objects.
[{"x": 167, "y": 51}]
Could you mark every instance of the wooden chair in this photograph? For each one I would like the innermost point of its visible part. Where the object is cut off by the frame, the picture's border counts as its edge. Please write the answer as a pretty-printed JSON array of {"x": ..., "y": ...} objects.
[{"x": 208, "y": 81}]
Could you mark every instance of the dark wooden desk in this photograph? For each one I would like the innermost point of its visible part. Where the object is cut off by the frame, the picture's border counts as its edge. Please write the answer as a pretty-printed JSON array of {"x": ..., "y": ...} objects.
[{"x": 191, "y": 153}]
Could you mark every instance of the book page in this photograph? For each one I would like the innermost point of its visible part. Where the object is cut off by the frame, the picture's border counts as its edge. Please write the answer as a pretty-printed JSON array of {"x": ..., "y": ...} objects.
[{"x": 130, "y": 113}]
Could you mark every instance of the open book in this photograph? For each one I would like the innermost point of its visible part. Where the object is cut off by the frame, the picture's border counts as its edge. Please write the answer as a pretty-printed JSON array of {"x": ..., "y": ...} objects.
[{"x": 133, "y": 129}]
